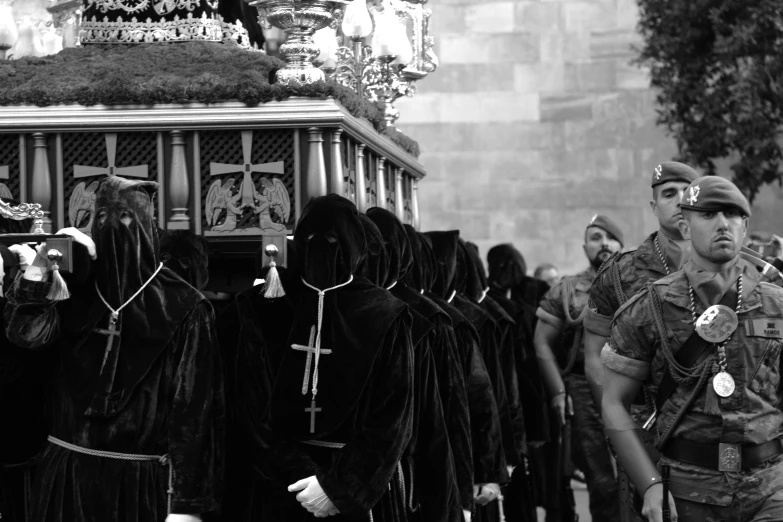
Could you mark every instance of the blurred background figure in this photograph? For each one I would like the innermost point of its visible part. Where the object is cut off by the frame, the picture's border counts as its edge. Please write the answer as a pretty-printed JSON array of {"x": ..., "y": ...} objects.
[{"x": 547, "y": 272}]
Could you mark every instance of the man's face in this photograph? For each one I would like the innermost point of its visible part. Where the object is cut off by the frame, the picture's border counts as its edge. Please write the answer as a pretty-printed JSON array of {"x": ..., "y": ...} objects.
[
  {"x": 715, "y": 236},
  {"x": 599, "y": 246},
  {"x": 666, "y": 205}
]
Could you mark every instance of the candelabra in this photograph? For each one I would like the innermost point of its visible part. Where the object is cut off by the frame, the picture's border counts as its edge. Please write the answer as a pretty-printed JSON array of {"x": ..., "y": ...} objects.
[{"x": 390, "y": 67}]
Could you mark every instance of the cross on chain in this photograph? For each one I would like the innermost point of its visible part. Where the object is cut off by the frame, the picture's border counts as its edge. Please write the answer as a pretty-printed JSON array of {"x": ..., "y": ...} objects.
[
  {"x": 248, "y": 197},
  {"x": 112, "y": 332},
  {"x": 310, "y": 349},
  {"x": 136, "y": 171}
]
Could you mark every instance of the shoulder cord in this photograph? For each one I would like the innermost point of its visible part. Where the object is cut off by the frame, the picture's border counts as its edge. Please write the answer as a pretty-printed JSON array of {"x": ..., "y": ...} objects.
[
  {"x": 570, "y": 321},
  {"x": 681, "y": 375},
  {"x": 617, "y": 283}
]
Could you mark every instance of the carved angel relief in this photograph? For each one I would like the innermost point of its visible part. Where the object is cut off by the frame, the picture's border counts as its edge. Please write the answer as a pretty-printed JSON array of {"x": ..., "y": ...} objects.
[{"x": 227, "y": 201}]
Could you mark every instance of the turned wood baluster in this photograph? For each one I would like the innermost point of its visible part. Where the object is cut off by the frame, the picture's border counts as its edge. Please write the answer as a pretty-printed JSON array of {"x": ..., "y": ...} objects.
[
  {"x": 361, "y": 182},
  {"x": 179, "y": 184},
  {"x": 381, "y": 192},
  {"x": 41, "y": 190},
  {"x": 337, "y": 183},
  {"x": 415, "y": 205},
  {"x": 399, "y": 197},
  {"x": 316, "y": 165}
]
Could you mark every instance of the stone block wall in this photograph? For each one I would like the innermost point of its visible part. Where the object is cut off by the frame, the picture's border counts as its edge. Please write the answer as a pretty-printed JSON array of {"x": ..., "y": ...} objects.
[{"x": 534, "y": 122}]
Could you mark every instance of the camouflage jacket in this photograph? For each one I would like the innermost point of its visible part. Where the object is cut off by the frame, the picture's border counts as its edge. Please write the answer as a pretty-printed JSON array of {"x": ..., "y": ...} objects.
[
  {"x": 563, "y": 307},
  {"x": 620, "y": 278},
  {"x": 749, "y": 416}
]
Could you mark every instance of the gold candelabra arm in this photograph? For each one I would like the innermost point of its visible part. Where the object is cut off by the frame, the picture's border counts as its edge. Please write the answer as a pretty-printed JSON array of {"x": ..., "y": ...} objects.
[{"x": 24, "y": 211}]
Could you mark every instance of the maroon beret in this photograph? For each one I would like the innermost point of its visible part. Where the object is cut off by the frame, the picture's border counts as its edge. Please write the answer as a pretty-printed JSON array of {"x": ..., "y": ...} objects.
[
  {"x": 712, "y": 194},
  {"x": 608, "y": 226},
  {"x": 673, "y": 171}
]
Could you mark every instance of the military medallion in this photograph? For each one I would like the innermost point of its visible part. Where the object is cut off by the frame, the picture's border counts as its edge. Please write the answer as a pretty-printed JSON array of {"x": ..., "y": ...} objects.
[
  {"x": 723, "y": 383},
  {"x": 716, "y": 324}
]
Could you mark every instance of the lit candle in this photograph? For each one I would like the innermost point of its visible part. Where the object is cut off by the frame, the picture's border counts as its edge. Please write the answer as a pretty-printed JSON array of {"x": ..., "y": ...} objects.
[
  {"x": 357, "y": 23},
  {"x": 9, "y": 34},
  {"x": 52, "y": 42}
]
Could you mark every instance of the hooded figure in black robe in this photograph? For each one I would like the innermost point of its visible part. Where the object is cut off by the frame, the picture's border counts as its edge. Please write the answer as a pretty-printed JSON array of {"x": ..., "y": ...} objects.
[
  {"x": 489, "y": 463},
  {"x": 429, "y": 460},
  {"x": 253, "y": 333},
  {"x": 523, "y": 289},
  {"x": 22, "y": 384},
  {"x": 448, "y": 365},
  {"x": 153, "y": 393},
  {"x": 519, "y": 502},
  {"x": 468, "y": 293},
  {"x": 340, "y": 413},
  {"x": 187, "y": 255}
]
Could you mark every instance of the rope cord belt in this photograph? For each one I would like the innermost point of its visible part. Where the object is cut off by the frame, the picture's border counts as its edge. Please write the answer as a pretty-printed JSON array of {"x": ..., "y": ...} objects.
[
  {"x": 164, "y": 460},
  {"x": 324, "y": 444}
]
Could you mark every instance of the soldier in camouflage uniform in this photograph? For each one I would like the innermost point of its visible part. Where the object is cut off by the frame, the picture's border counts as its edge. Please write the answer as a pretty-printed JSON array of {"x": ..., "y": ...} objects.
[
  {"x": 557, "y": 339},
  {"x": 620, "y": 278},
  {"x": 719, "y": 425}
]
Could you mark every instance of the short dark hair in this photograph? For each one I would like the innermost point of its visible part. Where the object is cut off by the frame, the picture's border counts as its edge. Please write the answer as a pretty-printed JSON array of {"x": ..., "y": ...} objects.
[{"x": 544, "y": 266}]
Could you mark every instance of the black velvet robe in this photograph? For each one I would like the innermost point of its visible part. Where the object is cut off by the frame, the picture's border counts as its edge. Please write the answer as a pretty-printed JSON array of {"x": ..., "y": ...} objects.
[
  {"x": 157, "y": 392},
  {"x": 365, "y": 383},
  {"x": 429, "y": 458},
  {"x": 489, "y": 464}
]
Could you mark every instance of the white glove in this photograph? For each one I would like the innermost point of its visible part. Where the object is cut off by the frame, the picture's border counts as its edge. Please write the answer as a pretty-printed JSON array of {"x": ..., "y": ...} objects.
[
  {"x": 174, "y": 517},
  {"x": 312, "y": 497},
  {"x": 467, "y": 514},
  {"x": 25, "y": 253},
  {"x": 80, "y": 237},
  {"x": 486, "y": 493}
]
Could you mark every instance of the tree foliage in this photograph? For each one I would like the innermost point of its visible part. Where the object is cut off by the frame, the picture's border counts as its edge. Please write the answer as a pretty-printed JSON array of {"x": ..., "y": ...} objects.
[{"x": 718, "y": 68}]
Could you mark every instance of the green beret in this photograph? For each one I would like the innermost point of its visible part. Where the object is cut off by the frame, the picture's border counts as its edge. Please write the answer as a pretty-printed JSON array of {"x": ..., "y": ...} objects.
[
  {"x": 608, "y": 226},
  {"x": 713, "y": 194},
  {"x": 673, "y": 171}
]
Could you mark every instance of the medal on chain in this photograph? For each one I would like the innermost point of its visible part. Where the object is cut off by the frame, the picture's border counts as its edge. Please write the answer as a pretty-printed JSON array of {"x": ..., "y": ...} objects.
[{"x": 716, "y": 325}]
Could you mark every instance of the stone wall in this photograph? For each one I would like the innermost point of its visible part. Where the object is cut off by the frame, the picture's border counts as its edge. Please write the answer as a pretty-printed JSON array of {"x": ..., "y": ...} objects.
[{"x": 534, "y": 122}]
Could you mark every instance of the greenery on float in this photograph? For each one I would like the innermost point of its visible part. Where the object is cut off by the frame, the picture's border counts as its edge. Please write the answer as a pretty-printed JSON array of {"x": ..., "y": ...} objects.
[
  {"x": 187, "y": 72},
  {"x": 718, "y": 68}
]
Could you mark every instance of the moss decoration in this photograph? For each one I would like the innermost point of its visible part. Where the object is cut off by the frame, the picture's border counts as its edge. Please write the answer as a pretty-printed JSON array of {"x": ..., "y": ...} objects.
[{"x": 203, "y": 72}]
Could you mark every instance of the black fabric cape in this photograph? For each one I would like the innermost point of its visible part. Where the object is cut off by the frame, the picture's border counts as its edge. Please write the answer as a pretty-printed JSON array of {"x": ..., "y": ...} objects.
[
  {"x": 436, "y": 496},
  {"x": 158, "y": 391},
  {"x": 489, "y": 464},
  {"x": 365, "y": 384},
  {"x": 477, "y": 289}
]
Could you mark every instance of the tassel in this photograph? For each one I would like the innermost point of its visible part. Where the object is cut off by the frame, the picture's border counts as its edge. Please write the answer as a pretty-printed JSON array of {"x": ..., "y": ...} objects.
[
  {"x": 711, "y": 402},
  {"x": 273, "y": 287},
  {"x": 59, "y": 290}
]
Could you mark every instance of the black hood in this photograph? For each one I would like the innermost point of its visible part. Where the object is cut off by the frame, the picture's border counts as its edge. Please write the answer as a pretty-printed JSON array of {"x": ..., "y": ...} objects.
[
  {"x": 187, "y": 255},
  {"x": 330, "y": 241},
  {"x": 398, "y": 246},
  {"x": 126, "y": 237},
  {"x": 445, "y": 248},
  {"x": 507, "y": 267},
  {"x": 478, "y": 267},
  {"x": 375, "y": 266}
]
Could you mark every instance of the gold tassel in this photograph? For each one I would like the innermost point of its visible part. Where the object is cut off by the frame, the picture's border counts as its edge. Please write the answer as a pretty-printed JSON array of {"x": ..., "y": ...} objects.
[
  {"x": 59, "y": 290},
  {"x": 711, "y": 402},
  {"x": 273, "y": 288}
]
